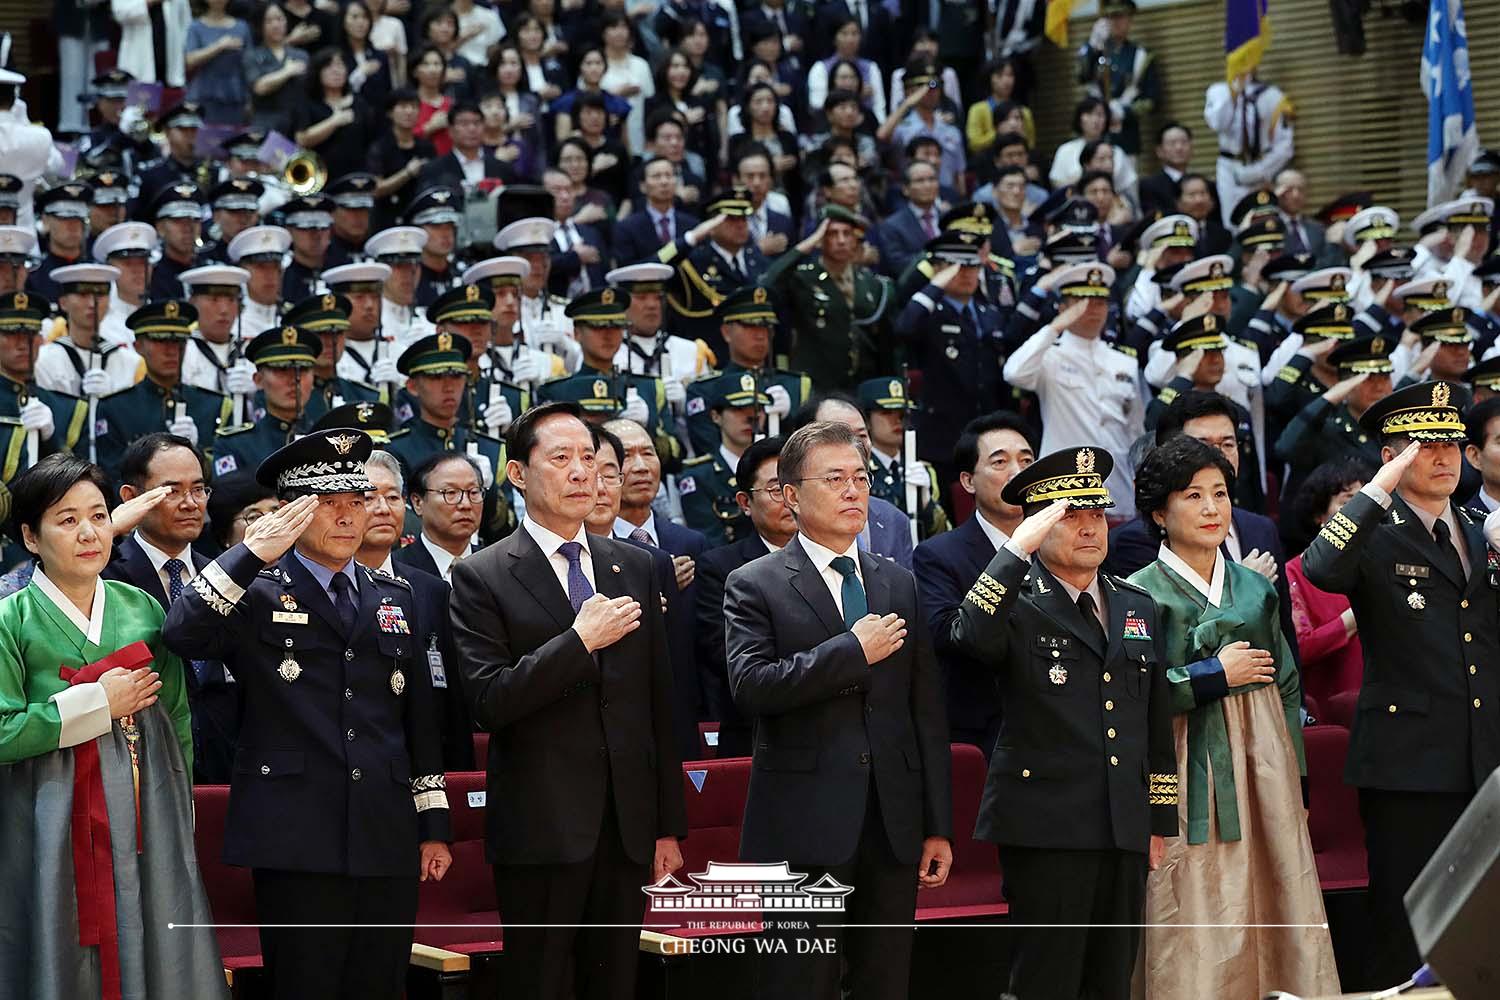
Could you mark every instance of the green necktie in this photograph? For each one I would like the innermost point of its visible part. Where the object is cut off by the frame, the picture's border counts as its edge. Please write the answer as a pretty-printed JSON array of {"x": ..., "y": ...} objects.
[{"x": 853, "y": 593}]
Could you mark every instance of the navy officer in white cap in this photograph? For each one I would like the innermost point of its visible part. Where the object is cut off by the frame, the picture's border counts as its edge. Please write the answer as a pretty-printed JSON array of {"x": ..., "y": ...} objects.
[
  {"x": 215, "y": 358},
  {"x": 508, "y": 353},
  {"x": 80, "y": 362},
  {"x": 262, "y": 251},
  {"x": 543, "y": 316},
  {"x": 127, "y": 247},
  {"x": 337, "y": 804},
  {"x": 400, "y": 249}
]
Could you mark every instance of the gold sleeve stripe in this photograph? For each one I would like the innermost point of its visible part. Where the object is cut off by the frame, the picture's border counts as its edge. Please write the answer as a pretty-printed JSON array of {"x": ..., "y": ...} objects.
[
  {"x": 1163, "y": 791},
  {"x": 1288, "y": 374}
]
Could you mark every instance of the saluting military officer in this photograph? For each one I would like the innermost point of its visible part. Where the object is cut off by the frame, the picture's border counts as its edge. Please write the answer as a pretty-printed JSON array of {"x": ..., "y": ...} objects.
[
  {"x": 1423, "y": 587},
  {"x": 261, "y": 250},
  {"x": 997, "y": 274},
  {"x": 714, "y": 258},
  {"x": 1328, "y": 427},
  {"x": 885, "y": 406},
  {"x": 284, "y": 358},
  {"x": 1443, "y": 348},
  {"x": 836, "y": 303},
  {"x": 707, "y": 484},
  {"x": 747, "y": 321},
  {"x": 161, "y": 400},
  {"x": 58, "y": 419},
  {"x": 508, "y": 353},
  {"x": 337, "y": 804},
  {"x": 490, "y": 402},
  {"x": 1080, "y": 658},
  {"x": 326, "y": 316}
]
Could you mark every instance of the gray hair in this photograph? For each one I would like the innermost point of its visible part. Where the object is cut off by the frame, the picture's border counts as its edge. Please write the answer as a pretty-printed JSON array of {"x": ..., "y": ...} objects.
[
  {"x": 390, "y": 463},
  {"x": 814, "y": 435}
]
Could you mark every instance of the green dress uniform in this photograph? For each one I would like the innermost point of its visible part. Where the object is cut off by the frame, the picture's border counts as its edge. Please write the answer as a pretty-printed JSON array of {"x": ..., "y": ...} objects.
[
  {"x": 703, "y": 433},
  {"x": 246, "y": 446},
  {"x": 24, "y": 313},
  {"x": 69, "y": 413},
  {"x": 1426, "y": 730},
  {"x": 707, "y": 487},
  {"x": 836, "y": 336},
  {"x": 1322, "y": 431},
  {"x": 323, "y": 315}
]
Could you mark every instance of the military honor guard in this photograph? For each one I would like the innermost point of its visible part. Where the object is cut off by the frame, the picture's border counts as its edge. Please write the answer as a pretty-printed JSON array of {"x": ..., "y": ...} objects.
[
  {"x": 887, "y": 408},
  {"x": 1167, "y": 241},
  {"x": 56, "y": 420},
  {"x": 544, "y": 321},
  {"x": 337, "y": 805},
  {"x": 327, "y": 317},
  {"x": 17, "y": 247},
  {"x": 179, "y": 124},
  {"x": 262, "y": 251},
  {"x": 437, "y": 375},
  {"x": 650, "y": 348},
  {"x": 353, "y": 197},
  {"x": 80, "y": 362},
  {"x": 163, "y": 400},
  {"x": 707, "y": 483},
  {"x": 64, "y": 211},
  {"x": 369, "y": 353},
  {"x": 309, "y": 220},
  {"x": 437, "y": 212},
  {"x": 127, "y": 248},
  {"x": 177, "y": 213},
  {"x": 1421, "y": 582},
  {"x": 400, "y": 250},
  {"x": 1082, "y": 786},
  {"x": 215, "y": 358},
  {"x": 235, "y": 203},
  {"x": 713, "y": 259},
  {"x": 508, "y": 353},
  {"x": 109, "y": 191},
  {"x": 490, "y": 403},
  {"x": 11, "y": 187},
  {"x": 284, "y": 359}
]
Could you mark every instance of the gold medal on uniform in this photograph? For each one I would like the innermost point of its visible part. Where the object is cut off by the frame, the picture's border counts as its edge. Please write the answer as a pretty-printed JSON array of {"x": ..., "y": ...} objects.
[
  {"x": 290, "y": 669},
  {"x": 398, "y": 682},
  {"x": 1416, "y": 601},
  {"x": 1058, "y": 674}
]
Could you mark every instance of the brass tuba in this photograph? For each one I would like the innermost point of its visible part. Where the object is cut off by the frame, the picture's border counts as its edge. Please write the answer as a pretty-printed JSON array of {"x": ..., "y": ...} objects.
[{"x": 304, "y": 174}]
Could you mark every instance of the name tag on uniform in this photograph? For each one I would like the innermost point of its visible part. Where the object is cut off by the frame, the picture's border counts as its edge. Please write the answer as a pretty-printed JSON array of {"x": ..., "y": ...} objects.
[
  {"x": 392, "y": 620},
  {"x": 1406, "y": 569},
  {"x": 952, "y": 328},
  {"x": 289, "y": 617},
  {"x": 435, "y": 665}
]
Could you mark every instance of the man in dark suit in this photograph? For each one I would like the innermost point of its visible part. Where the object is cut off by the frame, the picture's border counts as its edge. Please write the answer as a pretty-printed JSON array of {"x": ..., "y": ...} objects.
[
  {"x": 1303, "y": 233},
  {"x": 447, "y": 493},
  {"x": 578, "y": 249},
  {"x": 990, "y": 451},
  {"x": 851, "y": 761},
  {"x": 770, "y": 230},
  {"x": 1418, "y": 575},
  {"x": 658, "y": 221},
  {"x": 1081, "y": 660},
  {"x": 563, "y": 647},
  {"x": 158, "y": 557},
  {"x": 1253, "y": 539},
  {"x": 764, "y": 503},
  {"x": 906, "y": 231},
  {"x": 1174, "y": 151},
  {"x": 468, "y": 163}
]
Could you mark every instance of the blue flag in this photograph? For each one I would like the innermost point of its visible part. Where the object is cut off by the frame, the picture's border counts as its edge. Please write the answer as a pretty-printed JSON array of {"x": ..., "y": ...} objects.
[
  {"x": 1247, "y": 33},
  {"x": 1452, "y": 137}
]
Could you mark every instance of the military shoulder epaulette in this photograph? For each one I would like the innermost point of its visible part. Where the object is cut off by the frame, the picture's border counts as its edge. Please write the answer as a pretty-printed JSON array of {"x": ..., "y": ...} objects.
[
  {"x": 1465, "y": 513},
  {"x": 1125, "y": 349},
  {"x": 1124, "y": 584},
  {"x": 707, "y": 376},
  {"x": 809, "y": 265},
  {"x": 401, "y": 433},
  {"x": 1288, "y": 374},
  {"x": 696, "y": 460},
  {"x": 231, "y": 431},
  {"x": 384, "y": 577},
  {"x": 274, "y": 573},
  {"x": 560, "y": 300}
]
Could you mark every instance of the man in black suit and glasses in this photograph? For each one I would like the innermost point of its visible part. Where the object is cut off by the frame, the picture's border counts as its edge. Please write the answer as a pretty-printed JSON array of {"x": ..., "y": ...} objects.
[
  {"x": 851, "y": 769},
  {"x": 563, "y": 647}
]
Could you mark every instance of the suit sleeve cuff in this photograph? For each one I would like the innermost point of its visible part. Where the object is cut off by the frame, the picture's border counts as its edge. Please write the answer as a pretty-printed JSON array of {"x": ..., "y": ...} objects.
[{"x": 84, "y": 711}]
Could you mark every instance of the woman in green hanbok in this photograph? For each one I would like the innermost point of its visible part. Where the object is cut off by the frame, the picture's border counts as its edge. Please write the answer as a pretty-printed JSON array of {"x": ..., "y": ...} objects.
[
  {"x": 98, "y": 872},
  {"x": 1235, "y": 910}
]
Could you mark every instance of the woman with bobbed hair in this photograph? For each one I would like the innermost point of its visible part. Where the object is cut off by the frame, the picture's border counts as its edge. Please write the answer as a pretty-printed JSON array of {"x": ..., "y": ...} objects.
[
  {"x": 96, "y": 809},
  {"x": 1235, "y": 908}
]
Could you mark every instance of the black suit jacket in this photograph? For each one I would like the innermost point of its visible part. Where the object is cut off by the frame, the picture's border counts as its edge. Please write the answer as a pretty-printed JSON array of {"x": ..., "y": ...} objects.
[
  {"x": 1158, "y": 194},
  {"x": 636, "y": 238},
  {"x": 434, "y": 632},
  {"x": 827, "y": 722},
  {"x": 946, "y": 566},
  {"x": 1131, "y": 548},
  {"x": 902, "y": 240},
  {"x": 686, "y": 692},
  {"x": 713, "y": 570},
  {"x": 415, "y": 556},
  {"x": 566, "y": 264},
  {"x": 568, "y": 728},
  {"x": 1085, "y": 758},
  {"x": 448, "y": 172}
]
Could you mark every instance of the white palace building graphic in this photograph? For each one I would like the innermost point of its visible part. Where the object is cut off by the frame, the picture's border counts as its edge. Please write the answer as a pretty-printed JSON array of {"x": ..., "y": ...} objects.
[{"x": 742, "y": 886}]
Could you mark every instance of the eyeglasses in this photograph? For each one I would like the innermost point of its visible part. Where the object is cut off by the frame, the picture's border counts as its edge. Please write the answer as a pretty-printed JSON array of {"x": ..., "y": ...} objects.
[
  {"x": 452, "y": 497},
  {"x": 837, "y": 482},
  {"x": 611, "y": 478},
  {"x": 198, "y": 494},
  {"x": 392, "y": 499},
  {"x": 251, "y": 516},
  {"x": 772, "y": 489}
]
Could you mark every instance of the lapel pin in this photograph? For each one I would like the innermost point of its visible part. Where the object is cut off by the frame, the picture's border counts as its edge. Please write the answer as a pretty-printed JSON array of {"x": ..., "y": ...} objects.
[{"x": 615, "y": 567}]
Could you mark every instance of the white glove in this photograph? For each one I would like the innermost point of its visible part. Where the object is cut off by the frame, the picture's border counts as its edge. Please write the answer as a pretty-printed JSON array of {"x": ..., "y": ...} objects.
[
  {"x": 676, "y": 392},
  {"x": 635, "y": 408},
  {"x": 1099, "y": 33},
  {"x": 37, "y": 416},
  {"x": 384, "y": 371},
  {"x": 527, "y": 368},
  {"x": 96, "y": 382},
  {"x": 572, "y": 354},
  {"x": 497, "y": 416},
  {"x": 1492, "y": 529},
  {"x": 781, "y": 400},
  {"x": 486, "y": 470},
  {"x": 185, "y": 427},
  {"x": 239, "y": 378},
  {"x": 917, "y": 476}
]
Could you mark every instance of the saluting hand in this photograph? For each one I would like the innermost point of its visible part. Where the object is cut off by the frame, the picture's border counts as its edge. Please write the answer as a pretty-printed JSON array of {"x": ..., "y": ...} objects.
[
  {"x": 268, "y": 537},
  {"x": 125, "y": 517},
  {"x": 1069, "y": 317},
  {"x": 879, "y": 637},
  {"x": 1340, "y": 390},
  {"x": 1390, "y": 474},
  {"x": 1035, "y": 528},
  {"x": 1274, "y": 296},
  {"x": 945, "y": 277},
  {"x": 603, "y": 621}
]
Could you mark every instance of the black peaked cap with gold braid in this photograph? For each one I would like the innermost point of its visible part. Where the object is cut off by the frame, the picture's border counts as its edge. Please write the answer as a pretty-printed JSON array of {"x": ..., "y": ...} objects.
[
  {"x": 1076, "y": 475},
  {"x": 1427, "y": 412}
]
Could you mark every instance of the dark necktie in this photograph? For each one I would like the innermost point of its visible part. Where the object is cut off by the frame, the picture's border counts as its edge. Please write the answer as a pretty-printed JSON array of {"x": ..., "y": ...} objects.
[
  {"x": 664, "y": 229},
  {"x": 928, "y": 225},
  {"x": 642, "y": 536},
  {"x": 856, "y": 606},
  {"x": 1091, "y": 619},
  {"x": 1447, "y": 554},
  {"x": 174, "y": 568},
  {"x": 343, "y": 601},
  {"x": 579, "y": 588}
]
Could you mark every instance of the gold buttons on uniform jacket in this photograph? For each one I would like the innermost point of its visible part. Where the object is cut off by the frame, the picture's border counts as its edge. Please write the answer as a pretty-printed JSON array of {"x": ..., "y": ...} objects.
[
  {"x": 1114, "y": 761},
  {"x": 1106, "y": 676},
  {"x": 1055, "y": 654},
  {"x": 1476, "y": 702},
  {"x": 1111, "y": 733},
  {"x": 1025, "y": 772},
  {"x": 1109, "y": 706},
  {"x": 1473, "y": 670},
  {"x": 1468, "y": 637},
  {"x": 1463, "y": 604},
  {"x": 1392, "y": 709}
]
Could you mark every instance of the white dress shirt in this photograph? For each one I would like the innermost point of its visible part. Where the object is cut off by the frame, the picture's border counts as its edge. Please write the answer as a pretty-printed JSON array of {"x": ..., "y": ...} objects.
[
  {"x": 997, "y": 537},
  {"x": 549, "y": 542},
  {"x": 1486, "y": 501},
  {"x": 822, "y": 560},
  {"x": 159, "y": 560},
  {"x": 440, "y": 556}
]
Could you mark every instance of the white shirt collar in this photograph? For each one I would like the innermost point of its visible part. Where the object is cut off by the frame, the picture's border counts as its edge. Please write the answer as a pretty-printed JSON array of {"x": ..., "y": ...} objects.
[
  {"x": 550, "y": 541},
  {"x": 822, "y": 556},
  {"x": 159, "y": 558},
  {"x": 730, "y": 459},
  {"x": 1093, "y": 591},
  {"x": 441, "y": 556},
  {"x": 92, "y": 627},
  {"x": 1486, "y": 501},
  {"x": 766, "y": 542},
  {"x": 997, "y": 537},
  {"x": 736, "y": 259},
  {"x": 1212, "y": 590},
  {"x": 623, "y": 528},
  {"x": 881, "y": 457},
  {"x": 1172, "y": 172}
]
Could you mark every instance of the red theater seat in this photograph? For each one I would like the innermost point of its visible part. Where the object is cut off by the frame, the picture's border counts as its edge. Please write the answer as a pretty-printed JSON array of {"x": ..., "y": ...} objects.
[
  {"x": 231, "y": 894},
  {"x": 1338, "y": 835},
  {"x": 973, "y": 886},
  {"x": 1340, "y": 708},
  {"x": 481, "y": 750},
  {"x": 464, "y": 900},
  {"x": 1310, "y": 704}
]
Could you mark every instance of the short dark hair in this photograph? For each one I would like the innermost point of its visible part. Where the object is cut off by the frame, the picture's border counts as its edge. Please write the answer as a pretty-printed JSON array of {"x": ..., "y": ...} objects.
[
  {"x": 231, "y": 495},
  {"x": 759, "y": 453},
  {"x": 1168, "y": 469},
  {"x": 602, "y": 436},
  {"x": 1322, "y": 485},
  {"x": 921, "y": 142},
  {"x": 660, "y": 117},
  {"x": 588, "y": 99},
  {"x": 1009, "y": 170},
  {"x": 1083, "y": 107},
  {"x": 1086, "y": 154},
  {"x": 1008, "y": 139},
  {"x": 837, "y": 97},
  {"x": 1480, "y": 415},
  {"x": 912, "y": 165},
  {"x": 462, "y": 107},
  {"x": 520, "y": 437},
  {"x": 45, "y": 483},
  {"x": 1090, "y": 176},
  {"x": 418, "y": 484},
  {"x": 750, "y": 150},
  {"x": 966, "y": 450},
  {"x": 1190, "y": 406},
  {"x": 320, "y": 61},
  {"x": 401, "y": 95},
  {"x": 816, "y": 434},
  {"x": 1161, "y": 133},
  {"x": 135, "y": 465}
]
